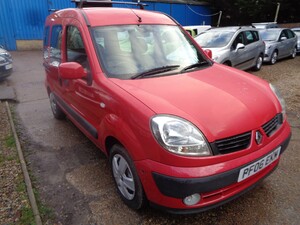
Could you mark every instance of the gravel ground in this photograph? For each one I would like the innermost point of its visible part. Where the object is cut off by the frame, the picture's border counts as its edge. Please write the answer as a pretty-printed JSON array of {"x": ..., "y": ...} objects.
[{"x": 14, "y": 204}]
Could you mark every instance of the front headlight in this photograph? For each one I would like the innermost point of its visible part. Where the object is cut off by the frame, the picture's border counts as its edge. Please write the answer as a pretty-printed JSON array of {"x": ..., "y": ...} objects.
[
  {"x": 179, "y": 136},
  {"x": 279, "y": 97},
  {"x": 2, "y": 59}
]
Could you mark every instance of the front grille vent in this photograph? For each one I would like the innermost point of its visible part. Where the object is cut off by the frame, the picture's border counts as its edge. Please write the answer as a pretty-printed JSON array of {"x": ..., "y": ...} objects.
[
  {"x": 271, "y": 126},
  {"x": 232, "y": 144}
]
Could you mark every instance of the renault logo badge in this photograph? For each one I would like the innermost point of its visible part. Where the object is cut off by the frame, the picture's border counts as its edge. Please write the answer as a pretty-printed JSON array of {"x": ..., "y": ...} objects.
[{"x": 258, "y": 137}]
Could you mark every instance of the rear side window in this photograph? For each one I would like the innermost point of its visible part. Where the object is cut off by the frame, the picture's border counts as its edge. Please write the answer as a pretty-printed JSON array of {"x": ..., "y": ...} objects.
[
  {"x": 290, "y": 34},
  {"x": 251, "y": 36},
  {"x": 55, "y": 45},
  {"x": 46, "y": 36}
]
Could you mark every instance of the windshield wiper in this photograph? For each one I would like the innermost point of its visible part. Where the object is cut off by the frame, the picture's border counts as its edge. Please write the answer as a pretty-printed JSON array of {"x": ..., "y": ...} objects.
[
  {"x": 153, "y": 71},
  {"x": 195, "y": 65}
]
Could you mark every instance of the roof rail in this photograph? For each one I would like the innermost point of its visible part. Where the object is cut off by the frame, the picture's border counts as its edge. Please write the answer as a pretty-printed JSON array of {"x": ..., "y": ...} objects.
[{"x": 104, "y": 3}]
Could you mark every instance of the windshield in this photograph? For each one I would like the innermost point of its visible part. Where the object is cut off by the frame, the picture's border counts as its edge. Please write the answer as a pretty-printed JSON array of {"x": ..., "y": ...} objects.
[
  {"x": 269, "y": 35},
  {"x": 297, "y": 32},
  {"x": 214, "y": 38},
  {"x": 129, "y": 50}
]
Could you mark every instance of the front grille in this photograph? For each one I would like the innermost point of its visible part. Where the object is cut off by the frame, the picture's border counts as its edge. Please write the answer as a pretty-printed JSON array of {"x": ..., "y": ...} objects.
[
  {"x": 271, "y": 126},
  {"x": 232, "y": 144}
]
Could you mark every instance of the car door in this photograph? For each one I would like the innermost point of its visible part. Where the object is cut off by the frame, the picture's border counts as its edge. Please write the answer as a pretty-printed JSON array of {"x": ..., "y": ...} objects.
[
  {"x": 252, "y": 49},
  {"x": 292, "y": 41},
  {"x": 283, "y": 44},
  {"x": 238, "y": 56},
  {"x": 83, "y": 96}
]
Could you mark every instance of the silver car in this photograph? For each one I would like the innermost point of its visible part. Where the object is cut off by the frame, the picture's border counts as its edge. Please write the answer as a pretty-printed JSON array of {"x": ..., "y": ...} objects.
[
  {"x": 280, "y": 43},
  {"x": 5, "y": 63},
  {"x": 297, "y": 32},
  {"x": 239, "y": 47}
]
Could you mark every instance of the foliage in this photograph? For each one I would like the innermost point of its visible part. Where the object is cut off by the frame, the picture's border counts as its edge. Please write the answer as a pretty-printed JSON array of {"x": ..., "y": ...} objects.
[{"x": 245, "y": 12}]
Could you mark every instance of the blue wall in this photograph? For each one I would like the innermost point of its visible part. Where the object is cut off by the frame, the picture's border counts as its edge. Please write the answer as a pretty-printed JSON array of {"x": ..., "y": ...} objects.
[{"x": 24, "y": 19}]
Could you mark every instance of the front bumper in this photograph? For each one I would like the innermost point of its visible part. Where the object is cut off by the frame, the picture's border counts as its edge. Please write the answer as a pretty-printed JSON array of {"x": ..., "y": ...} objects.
[
  {"x": 5, "y": 71},
  {"x": 167, "y": 186}
]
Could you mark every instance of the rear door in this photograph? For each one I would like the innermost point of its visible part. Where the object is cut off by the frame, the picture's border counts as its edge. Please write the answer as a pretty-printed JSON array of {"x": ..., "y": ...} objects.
[
  {"x": 253, "y": 47},
  {"x": 53, "y": 56},
  {"x": 283, "y": 45},
  {"x": 292, "y": 40}
]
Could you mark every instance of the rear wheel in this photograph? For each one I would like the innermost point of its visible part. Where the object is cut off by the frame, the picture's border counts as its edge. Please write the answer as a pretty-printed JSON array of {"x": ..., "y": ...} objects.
[
  {"x": 126, "y": 178},
  {"x": 258, "y": 63},
  {"x": 294, "y": 53},
  {"x": 274, "y": 57},
  {"x": 56, "y": 110}
]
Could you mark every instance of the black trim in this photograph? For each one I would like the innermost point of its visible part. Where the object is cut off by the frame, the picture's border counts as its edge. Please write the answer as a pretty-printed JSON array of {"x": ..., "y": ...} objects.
[
  {"x": 202, "y": 209},
  {"x": 84, "y": 123},
  {"x": 182, "y": 187},
  {"x": 244, "y": 62}
]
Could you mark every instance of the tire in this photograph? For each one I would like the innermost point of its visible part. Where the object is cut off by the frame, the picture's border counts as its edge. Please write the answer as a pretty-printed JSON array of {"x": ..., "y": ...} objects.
[
  {"x": 126, "y": 178},
  {"x": 56, "y": 110},
  {"x": 294, "y": 53},
  {"x": 274, "y": 57},
  {"x": 227, "y": 63},
  {"x": 258, "y": 63}
]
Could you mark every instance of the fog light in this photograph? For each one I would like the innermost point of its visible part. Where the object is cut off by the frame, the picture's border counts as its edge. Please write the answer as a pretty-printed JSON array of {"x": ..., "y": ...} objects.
[{"x": 192, "y": 199}]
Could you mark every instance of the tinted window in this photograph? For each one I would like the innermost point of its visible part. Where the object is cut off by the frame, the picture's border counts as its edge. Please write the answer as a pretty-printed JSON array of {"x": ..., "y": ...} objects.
[
  {"x": 249, "y": 37},
  {"x": 238, "y": 39},
  {"x": 290, "y": 34}
]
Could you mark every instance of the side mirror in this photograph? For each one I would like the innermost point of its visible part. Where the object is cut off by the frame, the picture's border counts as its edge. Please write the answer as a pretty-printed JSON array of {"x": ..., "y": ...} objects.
[
  {"x": 283, "y": 38},
  {"x": 208, "y": 52},
  {"x": 71, "y": 70},
  {"x": 240, "y": 46}
]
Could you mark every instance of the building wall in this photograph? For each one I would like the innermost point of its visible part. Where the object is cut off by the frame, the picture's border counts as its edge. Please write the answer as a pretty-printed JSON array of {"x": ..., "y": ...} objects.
[{"x": 22, "y": 22}]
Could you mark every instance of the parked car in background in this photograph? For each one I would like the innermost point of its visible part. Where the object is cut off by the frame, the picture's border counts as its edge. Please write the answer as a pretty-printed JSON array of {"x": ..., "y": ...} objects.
[
  {"x": 280, "y": 43},
  {"x": 181, "y": 131},
  {"x": 239, "y": 47},
  {"x": 5, "y": 63},
  {"x": 265, "y": 25},
  {"x": 197, "y": 29},
  {"x": 296, "y": 30}
]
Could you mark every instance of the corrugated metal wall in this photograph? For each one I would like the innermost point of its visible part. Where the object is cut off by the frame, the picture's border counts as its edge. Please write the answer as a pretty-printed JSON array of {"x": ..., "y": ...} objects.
[{"x": 24, "y": 19}]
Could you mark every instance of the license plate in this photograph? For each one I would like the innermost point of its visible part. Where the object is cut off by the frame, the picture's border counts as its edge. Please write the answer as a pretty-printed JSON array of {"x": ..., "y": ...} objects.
[
  {"x": 257, "y": 166},
  {"x": 8, "y": 66}
]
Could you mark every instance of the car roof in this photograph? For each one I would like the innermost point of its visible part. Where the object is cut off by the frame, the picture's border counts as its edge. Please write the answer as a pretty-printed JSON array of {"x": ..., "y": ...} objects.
[{"x": 103, "y": 16}]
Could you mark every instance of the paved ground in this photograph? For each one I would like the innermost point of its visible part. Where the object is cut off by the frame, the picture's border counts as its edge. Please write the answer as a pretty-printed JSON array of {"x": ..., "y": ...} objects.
[{"x": 74, "y": 179}]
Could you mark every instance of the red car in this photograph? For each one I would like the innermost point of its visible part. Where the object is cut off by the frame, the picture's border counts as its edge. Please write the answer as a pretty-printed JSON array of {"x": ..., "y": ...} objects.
[{"x": 181, "y": 132}]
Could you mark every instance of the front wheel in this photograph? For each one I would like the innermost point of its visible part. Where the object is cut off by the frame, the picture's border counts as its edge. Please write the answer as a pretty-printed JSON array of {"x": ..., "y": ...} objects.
[
  {"x": 258, "y": 63},
  {"x": 126, "y": 178},
  {"x": 274, "y": 57},
  {"x": 56, "y": 110}
]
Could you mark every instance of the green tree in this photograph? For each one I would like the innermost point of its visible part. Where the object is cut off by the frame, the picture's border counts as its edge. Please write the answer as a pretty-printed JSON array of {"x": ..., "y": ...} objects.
[{"x": 245, "y": 12}]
